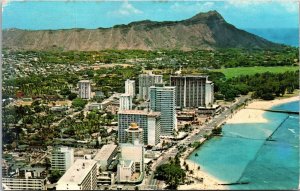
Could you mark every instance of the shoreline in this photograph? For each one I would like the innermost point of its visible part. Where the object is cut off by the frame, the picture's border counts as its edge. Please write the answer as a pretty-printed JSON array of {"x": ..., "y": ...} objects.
[
  {"x": 254, "y": 111},
  {"x": 209, "y": 182},
  {"x": 248, "y": 114},
  {"x": 261, "y": 104}
]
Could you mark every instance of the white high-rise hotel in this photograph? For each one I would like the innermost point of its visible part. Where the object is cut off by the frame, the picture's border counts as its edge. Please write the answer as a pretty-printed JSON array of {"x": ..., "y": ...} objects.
[
  {"x": 145, "y": 81},
  {"x": 125, "y": 102},
  {"x": 130, "y": 87},
  {"x": 162, "y": 99},
  {"x": 193, "y": 91},
  {"x": 62, "y": 158},
  {"x": 84, "y": 89}
]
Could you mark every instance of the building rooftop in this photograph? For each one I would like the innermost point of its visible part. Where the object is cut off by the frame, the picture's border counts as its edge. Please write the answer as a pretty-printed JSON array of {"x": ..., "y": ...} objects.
[
  {"x": 134, "y": 128},
  {"x": 123, "y": 95},
  {"x": 190, "y": 76},
  {"x": 159, "y": 87},
  {"x": 126, "y": 163},
  {"x": 105, "y": 152},
  {"x": 84, "y": 81},
  {"x": 77, "y": 172},
  {"x": 149, "y": 74},
  {"x": 139, "y": 112}
]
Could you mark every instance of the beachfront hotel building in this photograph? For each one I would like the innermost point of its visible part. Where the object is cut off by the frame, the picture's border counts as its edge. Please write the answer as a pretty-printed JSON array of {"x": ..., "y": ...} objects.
[
  {"x": 145, "y": 81},
  {"x": 125, "y": 102},
  {"x": 82, "y": 175},
  {"x": 130, "y": 87},
  {"x": 149, "y": 121},
  {"x": 193, "y": 91},
  {"x": 62, "y": 158},
  {"x": 105, "y": 155},
  {"x": 84, "y": 89},
  {"x": 162, "y": 99}
]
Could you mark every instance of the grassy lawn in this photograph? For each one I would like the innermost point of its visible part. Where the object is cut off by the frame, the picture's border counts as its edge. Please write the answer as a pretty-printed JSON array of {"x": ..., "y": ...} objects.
[{"x": 233, "y": 72}]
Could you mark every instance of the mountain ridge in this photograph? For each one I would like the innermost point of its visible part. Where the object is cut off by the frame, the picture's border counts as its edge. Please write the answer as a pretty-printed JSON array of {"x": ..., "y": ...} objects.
[{"x": 203, "y": 31}]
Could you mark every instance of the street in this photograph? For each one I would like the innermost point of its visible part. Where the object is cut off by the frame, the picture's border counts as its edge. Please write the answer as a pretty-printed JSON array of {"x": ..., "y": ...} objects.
[{"x": 150, "y": 181}]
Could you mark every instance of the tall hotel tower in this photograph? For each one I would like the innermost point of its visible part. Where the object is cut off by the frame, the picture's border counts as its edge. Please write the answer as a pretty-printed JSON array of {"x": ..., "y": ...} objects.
[
  {"x": 193, "y": 91},
  {"x": 145, "y": 81},
  {"x": 84, "y": 89},
  {"x": 162, "y": 99},
  {"x": 130, "y": 87}
]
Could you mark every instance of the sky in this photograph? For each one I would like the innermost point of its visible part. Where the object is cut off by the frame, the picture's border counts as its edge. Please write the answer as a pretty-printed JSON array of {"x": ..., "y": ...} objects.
[{"x": 243, "y": 14}]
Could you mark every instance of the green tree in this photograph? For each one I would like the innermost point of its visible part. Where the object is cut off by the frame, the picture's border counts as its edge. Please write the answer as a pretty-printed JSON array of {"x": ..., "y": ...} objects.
[
  {"x": 72, "y": 96},
  {"x": 55, "y": 176},
  {"x": 171, "y": 173},
  {"x": 78, "y": 102}
]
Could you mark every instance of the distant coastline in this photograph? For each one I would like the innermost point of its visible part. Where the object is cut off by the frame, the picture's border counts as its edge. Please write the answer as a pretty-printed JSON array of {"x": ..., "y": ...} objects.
[{"x": 287, "y": 36}]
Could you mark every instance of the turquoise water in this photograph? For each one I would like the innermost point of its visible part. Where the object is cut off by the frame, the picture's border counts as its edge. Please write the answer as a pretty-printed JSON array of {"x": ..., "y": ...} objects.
[{"x": 243, "y": 154}]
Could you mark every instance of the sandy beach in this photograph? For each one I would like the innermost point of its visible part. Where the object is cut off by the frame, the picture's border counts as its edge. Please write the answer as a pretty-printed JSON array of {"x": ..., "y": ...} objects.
[
  {"x": 209, "y": 182},
  {"x": 252, "y": 114},
  {"x": 269, "y": 104}
]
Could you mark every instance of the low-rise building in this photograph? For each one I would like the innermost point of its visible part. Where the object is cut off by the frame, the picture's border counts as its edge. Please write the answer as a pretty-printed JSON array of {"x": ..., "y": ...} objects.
[
  {"x": 94, "y": 106},
  {"x": 82, "y": 175},
  {"x": 105, "y": 155},
  {"x": 25, "y": 183},
  {"x": 125, "y": 170},
  {"x": 131, "y": 164},
  {"x": 105, "y": 178}
]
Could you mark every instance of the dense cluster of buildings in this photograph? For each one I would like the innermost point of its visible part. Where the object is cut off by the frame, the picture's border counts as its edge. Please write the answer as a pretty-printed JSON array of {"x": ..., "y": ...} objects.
[
  {"x": 161, "y": 102},
  {"x": 139, "y": 126}
]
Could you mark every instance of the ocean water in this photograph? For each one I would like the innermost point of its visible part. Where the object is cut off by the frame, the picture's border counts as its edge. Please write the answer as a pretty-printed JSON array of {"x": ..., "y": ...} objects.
[
  {"x": 244, "y": 155},
  {"x": 287, "y": 36}
]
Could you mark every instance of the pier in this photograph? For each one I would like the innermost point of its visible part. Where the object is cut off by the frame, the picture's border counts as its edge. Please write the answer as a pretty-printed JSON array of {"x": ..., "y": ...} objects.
[
  {"x": 276, "y": 111},
  {"x": 235, "y": 183}
]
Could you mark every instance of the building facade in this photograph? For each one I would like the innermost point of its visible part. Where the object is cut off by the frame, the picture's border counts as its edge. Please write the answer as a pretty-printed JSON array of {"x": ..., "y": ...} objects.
[
  {"x": 84, "y": 89},
  {"x": 62, "y": 158},
  {"x": 125, "y": 102},
  {"x": 131, "y": 161},
  {"x": 82, "y": 175},
  {"x": 105, "y": 155},
  {"x": 145, "y": 81},
  {"x": 130, "y": 87},
  {"x": 148, "y": 121},
  {"x": 193, "y": 91},
  {"x": 25, "y": 183},
  {"x": 162, "y": 99},
  {"x": 134, "y": 133}
]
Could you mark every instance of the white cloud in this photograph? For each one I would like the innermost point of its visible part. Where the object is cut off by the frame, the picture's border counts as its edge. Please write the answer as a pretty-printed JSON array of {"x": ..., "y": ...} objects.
[
  {"x": 126, "y": 9},
  {"x": 4, "y": 4},
  {"x": 246, "y": 3},
  {"x": 191, "y": 7},
  {"x": 291, "y": 7}
]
